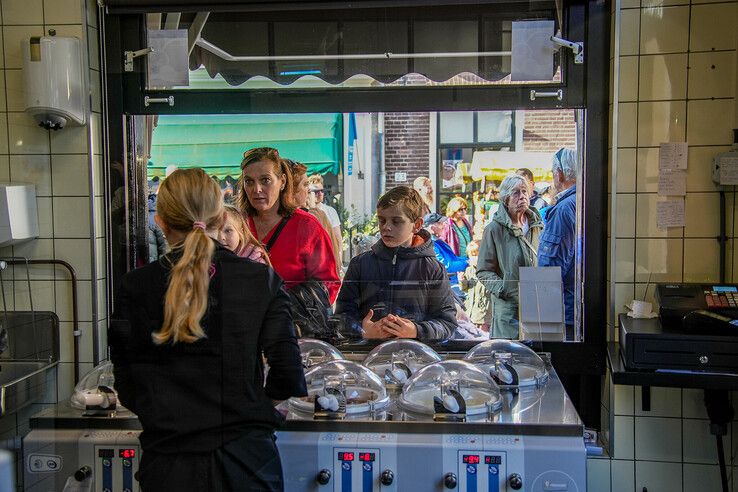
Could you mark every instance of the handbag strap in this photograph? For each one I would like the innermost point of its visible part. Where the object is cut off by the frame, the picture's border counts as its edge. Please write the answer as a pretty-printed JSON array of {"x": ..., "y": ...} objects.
[{"x": 275, "y": 235}]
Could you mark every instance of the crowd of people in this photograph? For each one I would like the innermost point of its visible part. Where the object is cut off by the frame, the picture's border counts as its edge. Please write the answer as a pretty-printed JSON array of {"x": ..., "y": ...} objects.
[
  {"x": 280, "y": 217},
  {"x": 518, "y": 224}
]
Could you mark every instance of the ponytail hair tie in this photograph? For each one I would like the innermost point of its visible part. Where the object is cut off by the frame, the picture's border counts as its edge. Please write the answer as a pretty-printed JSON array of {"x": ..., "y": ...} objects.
[{"x": 198, "y": 225}]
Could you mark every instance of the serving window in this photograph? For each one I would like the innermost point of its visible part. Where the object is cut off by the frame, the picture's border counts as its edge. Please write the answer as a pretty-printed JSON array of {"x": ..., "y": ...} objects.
[{"x": 452, "y": 98}]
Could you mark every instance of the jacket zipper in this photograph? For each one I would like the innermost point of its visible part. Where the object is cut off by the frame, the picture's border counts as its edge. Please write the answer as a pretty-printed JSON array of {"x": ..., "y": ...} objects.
[{"x": 392, "y": 281}]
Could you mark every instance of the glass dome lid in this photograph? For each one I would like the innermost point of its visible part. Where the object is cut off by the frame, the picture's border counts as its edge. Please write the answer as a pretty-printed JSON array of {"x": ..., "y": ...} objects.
[
  {"x": 509, "y": 363},
  {"x": 341, "y": 387},
  {"x": 395, "y": 361},
  {"x": 314, "y": 352},
  {"x": 442, "y": 383}
]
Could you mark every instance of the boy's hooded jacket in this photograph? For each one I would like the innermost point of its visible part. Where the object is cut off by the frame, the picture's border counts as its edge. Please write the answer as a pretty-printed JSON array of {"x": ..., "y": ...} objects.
[{"x": 405, "y": 281}]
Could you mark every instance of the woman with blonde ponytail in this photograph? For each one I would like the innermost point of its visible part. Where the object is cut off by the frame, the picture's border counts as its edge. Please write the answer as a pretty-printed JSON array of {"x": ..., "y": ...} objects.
[{"x": 187, "y": 341}]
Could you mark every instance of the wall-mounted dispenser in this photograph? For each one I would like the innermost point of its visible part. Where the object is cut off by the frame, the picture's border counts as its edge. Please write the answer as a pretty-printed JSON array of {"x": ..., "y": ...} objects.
[
  {"x": 18, "y": 213},
  {"x": 54, "y": 80}
]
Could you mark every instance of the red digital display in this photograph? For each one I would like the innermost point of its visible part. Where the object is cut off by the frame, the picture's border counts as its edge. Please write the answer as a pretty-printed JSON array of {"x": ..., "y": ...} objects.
[
  {"x": 366, "y": 456},
  {"x": 493, "y": 460},
  {"x": 342, "y": 456},
  {"x": 471, "y": 459},
  {"x": 127, "y": 453}
]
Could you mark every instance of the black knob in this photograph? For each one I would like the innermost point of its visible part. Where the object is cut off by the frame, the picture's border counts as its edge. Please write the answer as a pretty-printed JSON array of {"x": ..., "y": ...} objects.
[
  {"x": 387, "y": 477},
  {"x": 81, "y": 474},
  {"x": 515, "y": 481},
  {"x": 324, "y": 476},
  {"x": 449, "y": 480}
]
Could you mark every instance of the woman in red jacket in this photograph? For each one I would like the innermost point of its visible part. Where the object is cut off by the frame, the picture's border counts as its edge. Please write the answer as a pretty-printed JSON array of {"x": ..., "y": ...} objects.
[{"x": 298, "y": 246}]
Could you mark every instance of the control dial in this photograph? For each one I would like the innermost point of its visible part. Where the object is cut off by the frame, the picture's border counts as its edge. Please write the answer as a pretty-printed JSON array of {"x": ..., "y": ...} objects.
[
  {"x": 324, "y": 476},
  {"x": 449, "y": 480},
  {"x": 387, "y": 477},
  {"x": 515, "y": 481},
  {"x": 81, "y": 474}
]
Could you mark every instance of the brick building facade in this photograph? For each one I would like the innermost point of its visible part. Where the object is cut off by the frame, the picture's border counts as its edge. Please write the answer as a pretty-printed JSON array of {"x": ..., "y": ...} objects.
[
  {"x": 549, "y": 130},
  {"x": 406, "y": 146}
]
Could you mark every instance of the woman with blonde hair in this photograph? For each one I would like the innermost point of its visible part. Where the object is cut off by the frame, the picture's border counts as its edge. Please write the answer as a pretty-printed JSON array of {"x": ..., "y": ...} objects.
[
  {"x": 459, "y": 232},
  {"x": 424, "y": 186},
  {"x": 187, "y": 342}
]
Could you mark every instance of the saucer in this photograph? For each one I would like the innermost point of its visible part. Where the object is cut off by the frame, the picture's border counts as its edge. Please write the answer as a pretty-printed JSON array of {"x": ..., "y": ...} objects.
[{"x": 650, "y": 315}]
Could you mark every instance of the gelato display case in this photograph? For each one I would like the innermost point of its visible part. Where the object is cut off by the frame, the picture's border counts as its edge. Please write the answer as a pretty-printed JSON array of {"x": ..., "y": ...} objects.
[{"x": 493, "y": 418}]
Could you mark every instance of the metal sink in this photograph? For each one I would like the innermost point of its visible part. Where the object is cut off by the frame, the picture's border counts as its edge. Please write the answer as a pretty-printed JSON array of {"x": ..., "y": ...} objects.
[
  {"x": 27, "y": 363},
  {"x": 22, "y": 383}
]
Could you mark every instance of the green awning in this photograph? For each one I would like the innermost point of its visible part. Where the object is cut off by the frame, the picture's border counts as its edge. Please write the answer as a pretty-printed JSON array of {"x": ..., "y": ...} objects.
[{"x": 217, "y": 142}]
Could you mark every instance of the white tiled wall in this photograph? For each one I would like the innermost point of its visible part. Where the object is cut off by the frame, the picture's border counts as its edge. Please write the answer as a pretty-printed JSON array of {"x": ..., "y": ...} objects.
[
  {"x": 69, "y": 202},
  {"x": 676, "y": 83}
]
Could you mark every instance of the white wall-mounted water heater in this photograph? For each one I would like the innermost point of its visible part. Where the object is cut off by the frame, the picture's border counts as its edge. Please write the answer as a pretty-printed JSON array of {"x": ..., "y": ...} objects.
[{"x": 54, "y": 82}]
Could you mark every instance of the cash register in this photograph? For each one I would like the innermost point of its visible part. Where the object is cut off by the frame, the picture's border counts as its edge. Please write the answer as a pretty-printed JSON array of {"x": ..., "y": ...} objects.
[{"x": 697, "y": 329}]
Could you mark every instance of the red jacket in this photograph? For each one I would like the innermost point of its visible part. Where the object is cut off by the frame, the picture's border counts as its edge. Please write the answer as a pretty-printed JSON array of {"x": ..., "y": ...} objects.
[{"x": 303, "y": 251}]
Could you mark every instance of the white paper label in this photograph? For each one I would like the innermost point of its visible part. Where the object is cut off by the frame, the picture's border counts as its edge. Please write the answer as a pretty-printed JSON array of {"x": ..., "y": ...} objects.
[
  {"x": 673, "y": 182},
  {"x": 670, "y": 213},
  {"x": 673, "y": 155},
  {"x": 729, "y": 171}
]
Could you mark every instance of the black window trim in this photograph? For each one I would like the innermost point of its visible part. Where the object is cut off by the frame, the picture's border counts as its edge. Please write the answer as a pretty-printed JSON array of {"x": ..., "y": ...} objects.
[{"x": 587, "y": 20}]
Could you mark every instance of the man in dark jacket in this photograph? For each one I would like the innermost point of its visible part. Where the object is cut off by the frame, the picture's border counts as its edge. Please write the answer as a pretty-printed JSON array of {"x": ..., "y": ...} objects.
[
  {"x": 558, "y": 240},
  {"x": 399, "y": 289}
]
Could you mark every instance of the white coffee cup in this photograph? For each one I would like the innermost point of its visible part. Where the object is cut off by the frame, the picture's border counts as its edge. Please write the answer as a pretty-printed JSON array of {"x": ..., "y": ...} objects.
[{"x": 640, "y": 308}]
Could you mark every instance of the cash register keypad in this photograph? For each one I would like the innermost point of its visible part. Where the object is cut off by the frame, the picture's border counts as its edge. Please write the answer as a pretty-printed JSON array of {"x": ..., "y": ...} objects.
[{"x": 721, "y": 299}]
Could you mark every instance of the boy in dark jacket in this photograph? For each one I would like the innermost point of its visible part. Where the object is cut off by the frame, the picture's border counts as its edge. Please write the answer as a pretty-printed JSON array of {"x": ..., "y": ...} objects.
[{"x": 399, "y": 289}]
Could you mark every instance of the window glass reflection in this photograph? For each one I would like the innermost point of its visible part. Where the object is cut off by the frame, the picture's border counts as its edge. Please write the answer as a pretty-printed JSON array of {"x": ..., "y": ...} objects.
[{"x": 486, "y": 198}]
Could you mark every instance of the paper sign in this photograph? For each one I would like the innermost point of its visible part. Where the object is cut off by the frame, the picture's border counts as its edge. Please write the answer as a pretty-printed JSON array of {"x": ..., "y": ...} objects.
[
  {"x": 541, "y": 294},
  {"x": 670, "y": 213},
  {"x": 168, "y": 64},
  {"x": 673, "y": 155},
  {"x": 729, "y": 171},
  {"x": 673, "y": 182}
]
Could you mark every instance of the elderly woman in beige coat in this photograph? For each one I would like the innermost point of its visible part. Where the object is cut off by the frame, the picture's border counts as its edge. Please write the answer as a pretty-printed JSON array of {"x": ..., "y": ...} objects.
[{"x": 510, "y": 241}]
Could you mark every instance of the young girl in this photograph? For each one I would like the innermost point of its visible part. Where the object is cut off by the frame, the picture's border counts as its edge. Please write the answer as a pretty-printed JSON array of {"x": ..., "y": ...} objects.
[
  {"x": 188, "y": 339},
  {"x": 235, "y": 235}
]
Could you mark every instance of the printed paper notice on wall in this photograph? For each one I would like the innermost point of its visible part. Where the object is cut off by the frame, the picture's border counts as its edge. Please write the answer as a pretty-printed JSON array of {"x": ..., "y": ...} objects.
[
  {"x": 673, "y": 155},
  {"x": 672, "y": 182},
  {"x": 670, "y": 213},
  {"x": 728, "y": 170}
]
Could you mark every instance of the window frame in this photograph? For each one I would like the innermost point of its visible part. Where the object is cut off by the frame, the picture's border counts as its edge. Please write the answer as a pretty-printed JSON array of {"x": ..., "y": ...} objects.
[{"x": 584, "y": 88}]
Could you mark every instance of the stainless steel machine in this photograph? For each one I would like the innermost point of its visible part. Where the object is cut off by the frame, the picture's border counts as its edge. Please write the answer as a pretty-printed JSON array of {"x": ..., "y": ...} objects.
[{"x": 409, "y": 419}]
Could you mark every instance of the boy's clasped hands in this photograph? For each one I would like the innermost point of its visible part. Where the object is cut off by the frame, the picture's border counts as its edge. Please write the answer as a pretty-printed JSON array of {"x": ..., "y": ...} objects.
[{"x": 391, "y": 326}]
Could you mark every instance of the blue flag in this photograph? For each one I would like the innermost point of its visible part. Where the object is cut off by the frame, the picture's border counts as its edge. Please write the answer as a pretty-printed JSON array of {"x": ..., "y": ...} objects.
[{"x": 351, "y": 143}]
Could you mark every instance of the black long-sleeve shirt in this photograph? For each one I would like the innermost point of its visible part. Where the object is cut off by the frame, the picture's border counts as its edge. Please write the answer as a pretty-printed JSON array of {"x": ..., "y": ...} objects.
[{"x": 194, "y": 397}]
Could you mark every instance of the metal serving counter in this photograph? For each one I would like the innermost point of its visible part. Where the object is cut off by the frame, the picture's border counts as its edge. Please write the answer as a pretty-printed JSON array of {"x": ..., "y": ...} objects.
[{"x": 532, "y": 441}]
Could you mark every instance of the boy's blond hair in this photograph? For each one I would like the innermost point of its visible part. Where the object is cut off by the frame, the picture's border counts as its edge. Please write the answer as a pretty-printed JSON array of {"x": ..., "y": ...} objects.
[{"x": 406, "y": 198}]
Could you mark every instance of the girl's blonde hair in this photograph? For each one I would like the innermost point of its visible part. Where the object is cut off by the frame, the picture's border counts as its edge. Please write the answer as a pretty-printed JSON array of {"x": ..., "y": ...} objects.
[
  {"x": 244, "y": 234},
  {"x": 454, "y": 205},
  {"x": 189, "y": 201}
]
